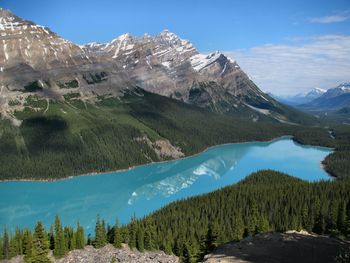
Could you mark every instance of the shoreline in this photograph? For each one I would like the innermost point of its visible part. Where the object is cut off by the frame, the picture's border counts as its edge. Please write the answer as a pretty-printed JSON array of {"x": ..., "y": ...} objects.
[{"x": 172, "y": 160}]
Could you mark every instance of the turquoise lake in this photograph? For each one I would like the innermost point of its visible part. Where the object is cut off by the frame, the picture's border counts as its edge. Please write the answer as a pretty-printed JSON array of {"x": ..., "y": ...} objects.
[{"x": 146, "y": 188}]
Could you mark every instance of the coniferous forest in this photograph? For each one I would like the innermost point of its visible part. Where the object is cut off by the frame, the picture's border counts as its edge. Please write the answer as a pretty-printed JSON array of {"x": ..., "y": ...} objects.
[
  {"x": 76, "y": 137},
  {"x": 264, "y": 201}
]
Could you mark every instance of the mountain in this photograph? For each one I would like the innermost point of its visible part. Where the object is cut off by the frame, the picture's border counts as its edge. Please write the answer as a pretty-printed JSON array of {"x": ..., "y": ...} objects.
[
  {"x": 68, "y": 109},
  {"x": 35, "y": 60},
  {"x": 334, "y": 99},
  {"x": 300, "y": 98},
  {"x": 315, "y": 93}
]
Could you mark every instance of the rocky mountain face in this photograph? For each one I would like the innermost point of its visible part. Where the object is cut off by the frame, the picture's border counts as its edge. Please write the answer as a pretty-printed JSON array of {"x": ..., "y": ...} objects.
[
  {"x": 33, "y": 59},
  {"x": 170, "y": 66}
]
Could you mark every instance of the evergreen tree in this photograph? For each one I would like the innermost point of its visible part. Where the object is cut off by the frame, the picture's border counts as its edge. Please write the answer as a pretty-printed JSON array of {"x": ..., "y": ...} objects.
[
  {"x": 132, "y": 233},
  {"x": 125, "y": 234},
  {"x": 211, "y": 238},
  {"x": 341, "y": 222},
  {"x": 263, "y": 225},
  {"x": 60, "y": 248},
  {"x": 69, "y": 238},
  {"x": 6, "y": 245},
  {"x": 331, "y": 220},
  {"x": 1, "y": 249},
  {"x": 117, "y": 237},
  {"x": 27, "y": 246},
  {"x": 238, "y": 227},
  {"x": 178, "y": 247},
  {"x": 19, "y": 240},
  {"x": 140, "y": 240},
  {"x": 80, "y": 237},
  {"x": 347, "y": 223},
  {"x": 188, "y": 255},
  {"x": 13, "y": 249},
  {"x": 100, "y": 234},
  {"x": 167, "y": 247},
  {"x": 150, "y": 233},
  {"x": 104, "y": 232},
  {"x": 253, "y": 216},
  {"x": 40, "y": 245},
  {"x": 319, "y": 227},
  {"x": 52, "y": 238}
]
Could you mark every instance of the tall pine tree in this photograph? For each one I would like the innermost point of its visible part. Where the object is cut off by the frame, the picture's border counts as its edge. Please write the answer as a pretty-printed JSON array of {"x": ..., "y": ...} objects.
[
  {"x": 6, "y": 245},
  {"x": 40, "y": 245},
  {"x": 27, "y": 246},
  {"x": 117, "y": 236},
  {"x": 238, "y": 227},
  {"x": 100, "y": 234},
  {"x": 1, "y": 249},
  {"x": 60, "y": 248},
  {"x": 80, "y": 237}
]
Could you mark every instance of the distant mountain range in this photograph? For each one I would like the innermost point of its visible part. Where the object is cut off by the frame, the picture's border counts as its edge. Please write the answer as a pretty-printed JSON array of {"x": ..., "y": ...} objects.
[
  {"x": 333, "y": 99},
  {"x": 300, "y": 98},
  {"x": 35, "y": 60}
]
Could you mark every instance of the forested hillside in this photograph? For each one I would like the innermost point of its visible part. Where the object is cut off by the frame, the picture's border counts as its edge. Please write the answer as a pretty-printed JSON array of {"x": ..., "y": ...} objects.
[
  {"x": 65, "y": 138},
  {"x": 264, "y": 201},
  {"x": 337, "y": 137}
]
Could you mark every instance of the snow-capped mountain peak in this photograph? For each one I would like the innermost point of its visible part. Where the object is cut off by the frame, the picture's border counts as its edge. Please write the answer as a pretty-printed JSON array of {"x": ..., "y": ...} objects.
[
  {"x": 163, "y": 64},
  {"x": 315, "y": 92},
  {"x": 333, "y": 99},
  {"x": 170, "y": 39},
  {"x": 344, "y": 87}
]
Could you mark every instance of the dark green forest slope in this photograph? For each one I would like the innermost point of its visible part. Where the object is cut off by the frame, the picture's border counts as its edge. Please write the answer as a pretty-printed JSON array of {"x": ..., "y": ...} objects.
[
  {"x": 264, "y": 201},
  {"x": 65, "y": 138}
]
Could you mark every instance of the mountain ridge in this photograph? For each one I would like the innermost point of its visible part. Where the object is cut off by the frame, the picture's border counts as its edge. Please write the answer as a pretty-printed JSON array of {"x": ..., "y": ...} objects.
[
  {"x": 52, "y": 67},
  {"x": 300, "y": 98},
  {"x": 333, "y": 99}
]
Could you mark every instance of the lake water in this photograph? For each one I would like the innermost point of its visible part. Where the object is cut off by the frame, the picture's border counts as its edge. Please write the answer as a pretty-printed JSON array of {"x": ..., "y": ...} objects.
[{"x": 144, "y": 189}]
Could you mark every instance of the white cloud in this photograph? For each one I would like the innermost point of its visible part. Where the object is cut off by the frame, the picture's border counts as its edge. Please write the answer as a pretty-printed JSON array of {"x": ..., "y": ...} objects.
[
  {"x": 329, "y": 19},
  {"x": 322, "y": 61}
]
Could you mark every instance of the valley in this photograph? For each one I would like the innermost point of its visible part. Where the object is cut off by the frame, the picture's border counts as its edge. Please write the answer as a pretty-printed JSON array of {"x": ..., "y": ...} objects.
[{"x": 144, "y": 143}]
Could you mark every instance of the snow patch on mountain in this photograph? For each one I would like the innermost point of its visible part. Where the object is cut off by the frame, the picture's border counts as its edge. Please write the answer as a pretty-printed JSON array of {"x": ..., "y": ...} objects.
[
  {"x": 201, "y": 61},
  {"x": 262, "y": 111}
]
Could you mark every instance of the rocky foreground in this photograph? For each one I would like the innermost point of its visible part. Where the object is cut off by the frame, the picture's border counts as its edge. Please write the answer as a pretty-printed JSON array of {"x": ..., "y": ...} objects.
[
  {"x": 286, "y": 247},
  {"x": 110, "y": 254}
]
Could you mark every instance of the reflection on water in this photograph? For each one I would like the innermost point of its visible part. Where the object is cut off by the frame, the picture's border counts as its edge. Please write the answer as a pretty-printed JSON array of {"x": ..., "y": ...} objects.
[
  {"x": 180, "y": 175},
  {"x": 144, "y": 189}
]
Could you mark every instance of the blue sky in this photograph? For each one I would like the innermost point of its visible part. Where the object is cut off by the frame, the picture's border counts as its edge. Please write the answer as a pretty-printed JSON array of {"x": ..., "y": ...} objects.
[{"x": 245, "y": 30}]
